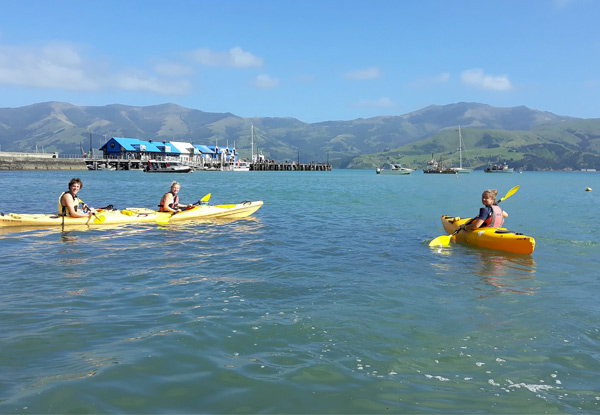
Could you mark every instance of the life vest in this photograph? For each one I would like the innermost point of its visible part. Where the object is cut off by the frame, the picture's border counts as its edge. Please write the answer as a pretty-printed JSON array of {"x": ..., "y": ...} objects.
[
  {"x": 173, "y": 205},
  {"x": 62, "y": 210},
  {"x": 496, "y": 219}
]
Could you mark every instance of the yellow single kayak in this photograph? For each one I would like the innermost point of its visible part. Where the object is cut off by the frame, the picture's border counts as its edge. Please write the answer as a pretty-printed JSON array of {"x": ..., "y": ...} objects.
[
  {"x": 130, "y": 215},
  {"x": 493, "y": 238}
]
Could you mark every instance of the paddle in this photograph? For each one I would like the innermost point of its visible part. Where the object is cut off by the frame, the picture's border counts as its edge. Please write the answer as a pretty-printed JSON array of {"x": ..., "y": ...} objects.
[
  {"x": 444, "y": 240},
  {"x": 163, "y": 218},
  {"x": 204, "y": 200},
  {"x": 98, "y": 219}
]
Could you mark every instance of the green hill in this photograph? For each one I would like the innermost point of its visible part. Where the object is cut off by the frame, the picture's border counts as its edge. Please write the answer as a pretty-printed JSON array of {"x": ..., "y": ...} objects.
[
  {"x": 570, "y": 145},
  {"x": 523, "y": 137}
]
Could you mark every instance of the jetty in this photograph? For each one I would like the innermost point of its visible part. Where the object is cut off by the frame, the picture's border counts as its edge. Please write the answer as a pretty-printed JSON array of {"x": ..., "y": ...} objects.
[
  {"x": 39, "y": 161},
  {"x": 104, "y": 163}
]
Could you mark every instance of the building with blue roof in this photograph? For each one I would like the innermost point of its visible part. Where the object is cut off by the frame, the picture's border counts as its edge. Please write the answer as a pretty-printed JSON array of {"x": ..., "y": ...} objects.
[{"x": 136, "y": 149}]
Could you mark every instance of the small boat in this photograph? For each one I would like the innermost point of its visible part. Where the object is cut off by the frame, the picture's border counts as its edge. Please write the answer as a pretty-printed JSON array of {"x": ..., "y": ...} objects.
[
  {"x": 240, "y": 166},
  {"x": 492, "y": 238},
  {"x": 130, "y": 215},
  {"x": 166, "y": 167},
  {"x": 434, "y": 167},
  {"x": 394, "y": 169},
  {"x": 499, "y": 168}
]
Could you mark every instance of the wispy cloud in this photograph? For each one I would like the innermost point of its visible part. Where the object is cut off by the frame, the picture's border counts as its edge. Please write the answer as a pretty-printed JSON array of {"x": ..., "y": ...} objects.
[
  {"x": 560, "y": 4},
  {"x": 427, "y": 81},
  {"x": 234, "y": 58},
  {"x": 477, "y": 78},
  {"x": 265, "y": 82},
  {"x": 64, "y": 66},
  {"x": 361, "y": 74},
  {"x": 383, "y": 102},
  {"x": 142, "y": 82},
  {"x": 173, "y": 69}
]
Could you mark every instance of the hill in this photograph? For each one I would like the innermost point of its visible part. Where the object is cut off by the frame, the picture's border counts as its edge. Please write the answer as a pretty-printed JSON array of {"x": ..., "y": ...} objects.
[
  {"x": 492, "y": 132},
  {"x": 569, "y": 145}
]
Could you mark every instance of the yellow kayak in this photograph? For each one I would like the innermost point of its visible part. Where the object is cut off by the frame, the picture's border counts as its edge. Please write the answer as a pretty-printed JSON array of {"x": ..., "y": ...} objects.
[
  {"x": 231, "y": 211},
  {"x": 130, "y": 215},
  {"x": 493, "y": 238}
]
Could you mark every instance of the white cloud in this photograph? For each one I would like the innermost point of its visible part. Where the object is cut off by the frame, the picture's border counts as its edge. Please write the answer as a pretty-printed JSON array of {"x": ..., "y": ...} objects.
[
  {"x": 173, "y": 69},
  {"x": 53, "y": 66},
  {"x": 64, "y": 66},
  {"x": 383, "y": 102},
  {"x": 428, "y": 81},
  {"x": 235, "y": 58},
  {"x": 476, "y": 77},
  {"x": 361, "y": 74},
  {"x": 141, "y": 82},
  {"x": 265, "y": 81}
]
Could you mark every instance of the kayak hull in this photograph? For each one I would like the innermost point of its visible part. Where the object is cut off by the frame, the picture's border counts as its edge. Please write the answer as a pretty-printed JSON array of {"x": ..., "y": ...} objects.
[
  {"x": 231, "y": 211},
  {"x": 130, "y": 215},
  {"x": 492, "y": 238}
]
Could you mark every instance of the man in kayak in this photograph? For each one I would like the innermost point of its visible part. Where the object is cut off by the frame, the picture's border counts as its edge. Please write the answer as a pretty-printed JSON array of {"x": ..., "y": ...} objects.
[
  {"x": 170, "y": 200},
  {"x": 68, "y": 202},
  {"x": 489, "y": 215}
]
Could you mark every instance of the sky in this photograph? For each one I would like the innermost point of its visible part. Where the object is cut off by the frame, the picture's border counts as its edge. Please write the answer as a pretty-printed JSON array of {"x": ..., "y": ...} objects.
[{"x": 316, "y": 61}]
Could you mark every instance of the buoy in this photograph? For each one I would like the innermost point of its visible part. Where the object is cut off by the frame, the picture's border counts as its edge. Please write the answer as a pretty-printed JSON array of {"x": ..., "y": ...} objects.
[{"x": 588, "y": 189}]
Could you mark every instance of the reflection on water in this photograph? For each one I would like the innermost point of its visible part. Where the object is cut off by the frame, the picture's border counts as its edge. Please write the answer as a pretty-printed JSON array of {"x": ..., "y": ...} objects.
[
  {"x": 500, "y": 272},
  {"x": 508, "y": 273}
]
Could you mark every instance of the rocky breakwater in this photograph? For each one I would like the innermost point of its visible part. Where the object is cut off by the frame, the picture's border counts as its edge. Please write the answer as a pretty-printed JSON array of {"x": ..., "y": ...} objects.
[{"x": 39, "y": 161}]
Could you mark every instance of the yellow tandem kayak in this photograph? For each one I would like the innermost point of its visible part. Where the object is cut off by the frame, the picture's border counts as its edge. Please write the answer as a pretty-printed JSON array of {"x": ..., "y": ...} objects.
[
  {"x": 493, "y": 238},
  {"x": 131, "y": 215}
]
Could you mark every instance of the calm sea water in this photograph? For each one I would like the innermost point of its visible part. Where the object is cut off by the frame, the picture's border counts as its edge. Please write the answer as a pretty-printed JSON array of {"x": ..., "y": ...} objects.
[{"x": 328, "y": 300}]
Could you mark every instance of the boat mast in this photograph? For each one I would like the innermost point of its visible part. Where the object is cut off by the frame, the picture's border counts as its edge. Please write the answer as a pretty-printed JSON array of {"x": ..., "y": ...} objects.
[
  {"x": 252, "y": 143},
  {"x": 460, "y": 146}
]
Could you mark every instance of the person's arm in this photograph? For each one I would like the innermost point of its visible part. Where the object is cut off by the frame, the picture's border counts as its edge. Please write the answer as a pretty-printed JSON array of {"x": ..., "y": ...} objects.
[
  {"x": 504, "y": 214},
  {"x": 86, "y": 208},
  {"x": 168, "y": 199},
  {"x": 68, "y": 202},
  {"x": 475, "y": 224}
]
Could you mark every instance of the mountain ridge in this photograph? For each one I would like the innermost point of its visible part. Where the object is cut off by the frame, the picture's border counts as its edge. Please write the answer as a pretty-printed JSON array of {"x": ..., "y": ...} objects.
[{"x": 64, "y": 127}]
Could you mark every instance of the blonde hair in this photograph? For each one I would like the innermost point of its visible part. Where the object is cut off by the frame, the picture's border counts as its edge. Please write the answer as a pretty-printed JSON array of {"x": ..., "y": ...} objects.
[
  {"x": 491, "y": 192},
  {"x": 175, "y": 183}
]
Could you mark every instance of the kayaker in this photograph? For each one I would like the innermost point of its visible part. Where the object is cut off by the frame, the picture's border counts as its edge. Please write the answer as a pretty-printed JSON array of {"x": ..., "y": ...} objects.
[
  {"x": 68, "y": 202},
  {"x": 170, "y": 200},
  {"x": 489, "y": 215}
]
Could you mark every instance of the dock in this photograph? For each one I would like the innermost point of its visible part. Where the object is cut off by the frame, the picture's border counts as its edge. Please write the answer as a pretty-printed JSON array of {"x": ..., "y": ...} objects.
[{"x": 136, "y": 164}]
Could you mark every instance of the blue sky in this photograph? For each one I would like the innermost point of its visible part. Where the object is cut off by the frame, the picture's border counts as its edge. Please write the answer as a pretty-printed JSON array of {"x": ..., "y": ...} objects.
[{"x": 311, "y": 60}]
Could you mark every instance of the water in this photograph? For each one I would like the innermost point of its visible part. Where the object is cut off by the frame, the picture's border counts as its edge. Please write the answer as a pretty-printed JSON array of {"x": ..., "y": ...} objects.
[{"x": 329, "y": 300}]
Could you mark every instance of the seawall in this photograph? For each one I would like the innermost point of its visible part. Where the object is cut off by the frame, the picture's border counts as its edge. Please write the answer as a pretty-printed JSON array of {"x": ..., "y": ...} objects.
[{"x": 39, "y": 161}]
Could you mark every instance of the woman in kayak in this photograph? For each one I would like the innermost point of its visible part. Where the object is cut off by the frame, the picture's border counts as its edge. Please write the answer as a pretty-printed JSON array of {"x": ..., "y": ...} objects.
[
  {"x": 68, "y": 202},
  {"x": 170, "y": 200},
  {"x": 489, "y": 215}
]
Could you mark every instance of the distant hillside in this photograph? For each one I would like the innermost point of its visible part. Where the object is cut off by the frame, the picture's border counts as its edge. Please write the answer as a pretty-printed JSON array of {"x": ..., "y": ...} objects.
[
  {"x": 62, "y": 127},
  {"x": 570, "y": 145}
]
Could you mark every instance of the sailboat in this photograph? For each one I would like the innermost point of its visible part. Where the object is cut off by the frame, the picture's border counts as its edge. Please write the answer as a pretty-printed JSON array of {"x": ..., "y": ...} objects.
[{"x": 461, "y": 169}]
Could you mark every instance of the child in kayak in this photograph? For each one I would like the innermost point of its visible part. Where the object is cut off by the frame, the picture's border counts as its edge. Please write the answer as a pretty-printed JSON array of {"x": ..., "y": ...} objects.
[
  {"x": 170, "y": 200},
  {"x": 489, "y": 215},
  {"x": 68, "y": 202}
]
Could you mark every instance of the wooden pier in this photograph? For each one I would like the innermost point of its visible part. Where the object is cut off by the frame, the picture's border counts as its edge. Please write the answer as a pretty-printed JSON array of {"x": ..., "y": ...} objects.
[
  {"x": 136, "y": 164},
  {"x": 289, "y": 166}
]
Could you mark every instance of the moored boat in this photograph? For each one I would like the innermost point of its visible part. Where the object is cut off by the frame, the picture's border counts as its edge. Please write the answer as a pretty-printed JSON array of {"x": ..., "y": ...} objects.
[
  {"x": 166, "y": 167},
  {"x": 488, "y": 237},
  {"x": 499, "y": 168},
  {"x": 394, "y": 169},
  {"x": 131, "y": 215},
  {"x": 460, "y": 169},
  {"x": 434, "y": 167}
]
